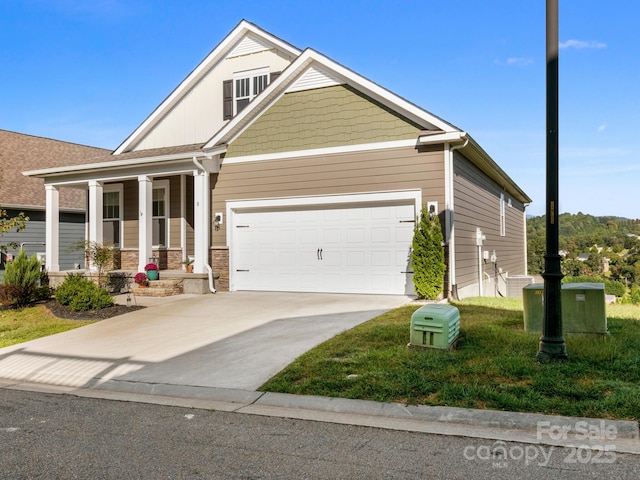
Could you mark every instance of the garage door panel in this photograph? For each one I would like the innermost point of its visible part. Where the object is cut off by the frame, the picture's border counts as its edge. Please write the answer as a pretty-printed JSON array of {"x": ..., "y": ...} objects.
[{"x": 354, "y": 249}]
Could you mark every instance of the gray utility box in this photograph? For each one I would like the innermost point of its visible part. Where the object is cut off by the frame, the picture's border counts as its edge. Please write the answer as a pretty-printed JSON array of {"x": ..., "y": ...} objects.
[
  {"x": 434, "y": 326},
  {"x": 583, "y": 307}
]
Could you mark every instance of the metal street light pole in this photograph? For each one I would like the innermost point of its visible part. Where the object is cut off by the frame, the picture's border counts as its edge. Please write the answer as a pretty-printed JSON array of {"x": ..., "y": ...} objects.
[{"x": 552, "y": 346}]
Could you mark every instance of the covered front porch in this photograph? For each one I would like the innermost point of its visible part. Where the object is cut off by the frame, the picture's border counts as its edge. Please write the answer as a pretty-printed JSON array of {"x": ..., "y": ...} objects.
[{"x": 152, "y": 206}]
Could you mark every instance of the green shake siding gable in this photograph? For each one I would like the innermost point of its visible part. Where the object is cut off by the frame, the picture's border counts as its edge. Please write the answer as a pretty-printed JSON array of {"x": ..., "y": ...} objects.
[{"x": 324, "y": 117}]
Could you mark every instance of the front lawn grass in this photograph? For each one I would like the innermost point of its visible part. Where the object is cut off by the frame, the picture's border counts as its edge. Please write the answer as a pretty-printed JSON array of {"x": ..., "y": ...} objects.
[
  {"x": 17, "y": 326},
  {"x": 493, "y": 367}
]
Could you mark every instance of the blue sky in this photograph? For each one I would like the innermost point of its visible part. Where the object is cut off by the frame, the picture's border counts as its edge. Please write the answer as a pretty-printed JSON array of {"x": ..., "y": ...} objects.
[{"x": 91, "y": 71}]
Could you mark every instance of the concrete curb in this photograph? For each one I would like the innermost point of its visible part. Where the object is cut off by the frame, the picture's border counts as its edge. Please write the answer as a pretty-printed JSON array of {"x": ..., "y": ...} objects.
[{"x": 584, "y": 433}]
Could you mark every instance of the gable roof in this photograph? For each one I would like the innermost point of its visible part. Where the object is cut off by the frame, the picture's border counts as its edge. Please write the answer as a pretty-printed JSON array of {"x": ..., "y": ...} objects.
[
  {"x": 241, "y": 39},
  {"x": 20, "y": 152},
  {"x": 310, "y": 70}
]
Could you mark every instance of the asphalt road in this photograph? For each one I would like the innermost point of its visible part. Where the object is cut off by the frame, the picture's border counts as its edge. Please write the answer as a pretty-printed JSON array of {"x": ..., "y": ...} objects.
[{"x": 44, "y": 436}]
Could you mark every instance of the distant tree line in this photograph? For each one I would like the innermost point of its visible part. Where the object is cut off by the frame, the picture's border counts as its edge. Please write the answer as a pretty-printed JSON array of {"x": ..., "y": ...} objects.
[{"x": 612, "y": 245}]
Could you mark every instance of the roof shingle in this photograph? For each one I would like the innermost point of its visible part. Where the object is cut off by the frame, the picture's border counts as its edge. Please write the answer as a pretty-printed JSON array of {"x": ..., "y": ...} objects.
[{"x": 20, "y": 152}]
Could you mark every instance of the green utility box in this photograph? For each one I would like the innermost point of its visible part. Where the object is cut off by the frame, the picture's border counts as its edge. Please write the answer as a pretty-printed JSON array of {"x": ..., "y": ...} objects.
[
  {"x": 434, "y": 326},
  {"x": 583, "y": 308},
  {"x": 533, "y": 306}
]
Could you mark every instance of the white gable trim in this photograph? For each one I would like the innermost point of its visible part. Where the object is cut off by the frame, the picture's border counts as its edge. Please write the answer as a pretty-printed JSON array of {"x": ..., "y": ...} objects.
[
  {"x": 230, "y": 43},
  {"x": 312, "y": 59},
  {"x": 320, "y": 151}
]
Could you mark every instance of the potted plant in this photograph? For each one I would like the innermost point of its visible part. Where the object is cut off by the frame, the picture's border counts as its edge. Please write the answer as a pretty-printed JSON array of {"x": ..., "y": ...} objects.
[
  {"x": 152, "y": 271},
  {"x": 141, "y": 279},
  {"x": 188, "y": 265}
]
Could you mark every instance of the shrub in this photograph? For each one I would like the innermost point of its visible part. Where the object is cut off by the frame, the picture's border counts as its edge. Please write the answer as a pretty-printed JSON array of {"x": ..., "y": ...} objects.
[
  {"x": 22, "y": 277},
  {"x": 69, "y": 288},
  {"x": 82, "y": 295},
  {"x": 91, "y": 297},
  {"x": 427, "y": 256},
  {"x": 635, "y": 295}
]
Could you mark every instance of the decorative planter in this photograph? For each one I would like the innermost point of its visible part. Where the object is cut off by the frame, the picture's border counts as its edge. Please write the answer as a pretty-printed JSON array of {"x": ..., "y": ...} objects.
[
  {"x": 189, "y": 268},
  {"x": 152, "y": 274}
]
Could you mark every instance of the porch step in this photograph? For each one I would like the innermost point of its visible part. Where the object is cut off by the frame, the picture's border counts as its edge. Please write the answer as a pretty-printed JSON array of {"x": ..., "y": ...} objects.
[{"x": 159, "y": 288}]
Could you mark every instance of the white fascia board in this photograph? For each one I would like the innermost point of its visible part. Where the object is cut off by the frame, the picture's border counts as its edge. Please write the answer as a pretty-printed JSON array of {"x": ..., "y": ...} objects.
[
  {"x": 274, "y": 92},
  {"x": 93, "y": 167},
  {"x": 320, "y": 151},
  {"x": 217, "y": 54},
  {"x": 447, "y": 137}
]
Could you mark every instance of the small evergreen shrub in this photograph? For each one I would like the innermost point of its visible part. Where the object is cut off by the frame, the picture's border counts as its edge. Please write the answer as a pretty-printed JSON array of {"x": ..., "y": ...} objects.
[
  {"x": 427, "y": 256},
  {"x": 69, "y": 288},
  {"x": 91, "y": 297},
  {"x": 22, "y": 276},
  {"x": 82, "y": 295}
]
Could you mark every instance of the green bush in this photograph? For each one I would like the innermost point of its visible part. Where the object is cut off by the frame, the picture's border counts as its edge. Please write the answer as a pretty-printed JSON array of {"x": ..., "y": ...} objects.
[
  {"x": 22, "y": 276},
  {"x": 635, "y": 296},
  {"x": 69, "y": 288},
  {"x": 82, "y": 295},
  {"x": 427, "y": 256},
  {"x": 91, "y": 297}
]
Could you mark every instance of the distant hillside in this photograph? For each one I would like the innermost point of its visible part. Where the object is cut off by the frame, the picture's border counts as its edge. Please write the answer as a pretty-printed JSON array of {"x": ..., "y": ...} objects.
[{"x": 613, "y": 245}]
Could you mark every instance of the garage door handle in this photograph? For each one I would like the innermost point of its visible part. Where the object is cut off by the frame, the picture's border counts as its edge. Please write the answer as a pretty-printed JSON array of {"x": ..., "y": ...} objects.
[
  {"x": 238, "y": 270},
  {"x": 319, "y": 254}
]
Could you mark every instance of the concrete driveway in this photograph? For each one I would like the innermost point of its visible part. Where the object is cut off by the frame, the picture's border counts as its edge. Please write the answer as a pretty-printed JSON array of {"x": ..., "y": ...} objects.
[{"x": 232, "y": 340}]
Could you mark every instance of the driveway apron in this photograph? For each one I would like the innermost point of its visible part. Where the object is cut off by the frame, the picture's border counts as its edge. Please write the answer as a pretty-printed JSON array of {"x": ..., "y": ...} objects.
[{"x": 229, "y": 340}]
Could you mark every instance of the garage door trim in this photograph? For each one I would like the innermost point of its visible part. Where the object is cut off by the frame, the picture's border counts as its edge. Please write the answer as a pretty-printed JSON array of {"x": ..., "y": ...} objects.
[{"x": 238, "y": 206}]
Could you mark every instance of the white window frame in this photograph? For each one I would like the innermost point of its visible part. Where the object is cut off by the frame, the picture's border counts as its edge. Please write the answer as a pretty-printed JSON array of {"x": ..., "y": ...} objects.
[
  {"x": 251, "y": 76},
  {"x": 119, "y": 188},
  {"x": 163, "y": 185},
  {"x": 503, "y": 220}
]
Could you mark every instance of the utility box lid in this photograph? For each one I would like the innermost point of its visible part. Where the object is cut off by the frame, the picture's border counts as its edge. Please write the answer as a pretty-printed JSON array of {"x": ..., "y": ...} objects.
[{"x": 435, "y": 325}]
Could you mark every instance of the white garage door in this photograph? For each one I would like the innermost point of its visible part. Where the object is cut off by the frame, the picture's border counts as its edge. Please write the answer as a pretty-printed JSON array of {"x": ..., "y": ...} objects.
[{"x": 355, "y": 249}]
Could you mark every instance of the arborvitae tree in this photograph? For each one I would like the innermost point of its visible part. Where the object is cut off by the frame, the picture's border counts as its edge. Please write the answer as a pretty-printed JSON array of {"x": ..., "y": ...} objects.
[{"x": 427, "y": 256}]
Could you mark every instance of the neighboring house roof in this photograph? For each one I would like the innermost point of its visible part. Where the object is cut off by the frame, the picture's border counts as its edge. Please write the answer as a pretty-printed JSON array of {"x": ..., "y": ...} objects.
[{"x": 20, "y": 152}]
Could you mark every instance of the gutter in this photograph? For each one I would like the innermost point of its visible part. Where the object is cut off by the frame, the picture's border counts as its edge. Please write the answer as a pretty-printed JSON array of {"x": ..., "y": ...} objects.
[
  {"x": 449, "y": 205},
  {"x": 212, "y": 289}
]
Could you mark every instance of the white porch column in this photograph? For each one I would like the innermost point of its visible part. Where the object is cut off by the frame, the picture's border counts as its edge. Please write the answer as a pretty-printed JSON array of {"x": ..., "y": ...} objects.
[
  {"x": 145, "y": 230},
  {"x": 95, "y": 213},
  {"x": 201, "y": 207},
  {"x": 52, "y": 228},
  {"x": 183, "y": 215}
]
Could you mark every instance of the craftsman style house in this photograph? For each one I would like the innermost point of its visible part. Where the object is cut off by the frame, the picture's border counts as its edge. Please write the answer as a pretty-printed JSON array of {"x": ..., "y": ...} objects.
[{"x": 280, "y": 169}]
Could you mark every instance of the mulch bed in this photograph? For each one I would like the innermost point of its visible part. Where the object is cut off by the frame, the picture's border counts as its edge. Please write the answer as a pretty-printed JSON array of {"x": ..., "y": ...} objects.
[{"x": 64, "y": 311}]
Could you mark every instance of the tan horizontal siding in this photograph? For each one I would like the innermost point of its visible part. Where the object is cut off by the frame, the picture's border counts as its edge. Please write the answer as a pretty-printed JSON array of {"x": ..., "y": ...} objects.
[
  {"x": 131, "y": 217},
  {"x": 359, "y": 172},
  {"x": 477, "y": 204}
]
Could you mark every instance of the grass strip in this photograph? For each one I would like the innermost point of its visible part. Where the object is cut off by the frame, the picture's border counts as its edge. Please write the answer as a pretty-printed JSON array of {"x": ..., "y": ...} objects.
[{"x": 493, "y": 367}]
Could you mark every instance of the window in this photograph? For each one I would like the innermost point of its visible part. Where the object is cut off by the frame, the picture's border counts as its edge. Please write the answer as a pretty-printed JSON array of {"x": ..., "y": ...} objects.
[
  {"x": 237, "y": 93},
  {"x": 160, "y": 205},
  {"x": 111, "y": 214},
  {"x": 503, "y": 223}
]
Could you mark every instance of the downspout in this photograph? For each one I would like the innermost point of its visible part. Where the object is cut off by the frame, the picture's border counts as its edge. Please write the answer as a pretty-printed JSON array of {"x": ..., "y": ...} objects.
[
  {"x": 449, "y": 205},
  {"x": 206, "y": 263}
]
